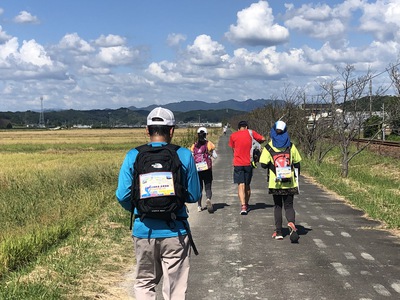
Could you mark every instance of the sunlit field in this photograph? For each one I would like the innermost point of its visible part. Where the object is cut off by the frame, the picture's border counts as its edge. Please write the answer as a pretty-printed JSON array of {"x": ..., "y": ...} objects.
[{"x": 52, "y": 182}]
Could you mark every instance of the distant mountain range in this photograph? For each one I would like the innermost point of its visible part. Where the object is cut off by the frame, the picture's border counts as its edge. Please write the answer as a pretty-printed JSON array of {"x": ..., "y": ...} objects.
[
  {"x": 186, "y": 106},
  {"x": 184, "y": 111}
]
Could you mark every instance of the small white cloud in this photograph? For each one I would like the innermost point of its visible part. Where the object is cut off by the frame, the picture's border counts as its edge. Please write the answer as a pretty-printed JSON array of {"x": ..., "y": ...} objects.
[
  {"x": 164, "y": 71},
  {"x": 174, "y": 39},
  {"x": 256, "y": 27},
  {"x": 119, "y": 55},
  {"x": 3, "y": 35},
  {"x": 205, "y": 51},
  {"x": 75, "y": 43},
  {"x": 110, "y": 40},
  {"x": 26, "y": 17}
]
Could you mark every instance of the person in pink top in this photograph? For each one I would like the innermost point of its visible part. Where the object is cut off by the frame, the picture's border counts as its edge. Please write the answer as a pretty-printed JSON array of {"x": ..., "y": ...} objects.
[{"x": 241, "y": 144}]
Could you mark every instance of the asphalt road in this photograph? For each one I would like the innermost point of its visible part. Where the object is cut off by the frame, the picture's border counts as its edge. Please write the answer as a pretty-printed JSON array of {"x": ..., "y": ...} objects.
[{"x": 340, "y": 254}]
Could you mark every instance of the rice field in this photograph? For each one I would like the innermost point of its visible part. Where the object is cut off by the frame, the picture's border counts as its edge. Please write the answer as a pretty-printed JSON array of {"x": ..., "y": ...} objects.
[{"x": 52, "y": 182}]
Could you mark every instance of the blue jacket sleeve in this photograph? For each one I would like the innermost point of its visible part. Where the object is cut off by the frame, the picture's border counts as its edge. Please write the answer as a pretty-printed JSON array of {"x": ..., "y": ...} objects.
[{"x": 125, "y": 178}]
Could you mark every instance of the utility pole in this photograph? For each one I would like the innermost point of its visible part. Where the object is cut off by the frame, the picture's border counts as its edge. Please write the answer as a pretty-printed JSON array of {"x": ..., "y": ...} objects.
[
  {"x": 370, "y": 97},
  {"x": 383, "y": 121},
  {"x": 41, "y": 117}
]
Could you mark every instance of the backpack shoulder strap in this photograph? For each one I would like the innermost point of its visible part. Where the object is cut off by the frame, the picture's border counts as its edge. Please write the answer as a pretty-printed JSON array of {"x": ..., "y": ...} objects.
[
  {"x": 269, "y": 148},
  {"x": 142, "y": 148},
  {"x": 172, "y": 147}
]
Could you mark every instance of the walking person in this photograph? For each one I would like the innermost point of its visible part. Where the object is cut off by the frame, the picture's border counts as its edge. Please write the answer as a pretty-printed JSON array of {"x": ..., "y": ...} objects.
[
  {"x": 203, "y": 150},
  {"x": 241, "y": 144},
  {"x": 282, "y": 160},
  {"x": 158, "y": 178}
]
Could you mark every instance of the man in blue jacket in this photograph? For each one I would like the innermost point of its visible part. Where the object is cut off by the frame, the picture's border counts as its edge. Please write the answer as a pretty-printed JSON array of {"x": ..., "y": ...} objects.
[{"x": 162, "y": 248}]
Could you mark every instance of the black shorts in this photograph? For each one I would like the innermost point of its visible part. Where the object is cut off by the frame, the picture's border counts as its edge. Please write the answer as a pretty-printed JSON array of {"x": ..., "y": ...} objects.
[
  {"x": 206, "y": 176},
  {"x": 242, "y": 174}
]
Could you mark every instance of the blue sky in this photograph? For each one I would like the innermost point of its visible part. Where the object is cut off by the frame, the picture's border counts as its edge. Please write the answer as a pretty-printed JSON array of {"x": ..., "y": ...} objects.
[{"x": 109, "y": 54}]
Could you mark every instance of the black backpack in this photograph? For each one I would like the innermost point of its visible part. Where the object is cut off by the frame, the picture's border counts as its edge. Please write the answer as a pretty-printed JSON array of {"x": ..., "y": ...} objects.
[
  {"x": 164, "y": 164},
  {"x": 162, "y": 198}
]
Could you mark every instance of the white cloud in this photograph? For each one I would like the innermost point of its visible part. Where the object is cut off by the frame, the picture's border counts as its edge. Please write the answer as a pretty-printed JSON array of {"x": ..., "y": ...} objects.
[
  {"x": 317, "y": 21},
  {"x": 3, "y": 35},
  {"x": 74, "y": 43},
  {"x": 119, "y": 55},
  {"x": 35, "y": 54},
  {"x": 381, "y": 19},
  {"x": 174, "y": 39},
  {"x": 256, "y": 27},
  {"x": 110, "y": 40},
  {"x": 26, "y": 17},
  {"x": 7, "y": 50},
  {"x": 205, "y": 51}
]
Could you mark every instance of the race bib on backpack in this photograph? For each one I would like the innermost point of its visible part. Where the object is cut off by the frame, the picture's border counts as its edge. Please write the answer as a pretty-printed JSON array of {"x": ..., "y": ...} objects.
[
  {"x": 156, "y": 184},
  {"x": 201, "y": 166},
  {"x": 282, "y": 165}
]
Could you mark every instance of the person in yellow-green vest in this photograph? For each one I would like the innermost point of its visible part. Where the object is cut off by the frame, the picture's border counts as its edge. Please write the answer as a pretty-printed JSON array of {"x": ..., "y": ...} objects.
[{"x": 282, "y": 160}]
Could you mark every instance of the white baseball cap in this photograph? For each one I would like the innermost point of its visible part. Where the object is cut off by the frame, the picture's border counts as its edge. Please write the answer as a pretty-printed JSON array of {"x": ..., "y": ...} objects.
[
  {"x": 161, "y": 116},
  {"x": 202, "y": 129},
  {"x": 280, "y": 125}
]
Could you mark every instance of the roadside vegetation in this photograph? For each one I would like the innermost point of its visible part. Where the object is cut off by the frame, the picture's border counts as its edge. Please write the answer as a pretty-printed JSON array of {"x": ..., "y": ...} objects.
[{"x": 372, "y": 184}]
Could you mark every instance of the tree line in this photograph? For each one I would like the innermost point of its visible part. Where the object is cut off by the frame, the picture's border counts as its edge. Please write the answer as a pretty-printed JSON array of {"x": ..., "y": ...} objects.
[{"x": 350, "y": 111}]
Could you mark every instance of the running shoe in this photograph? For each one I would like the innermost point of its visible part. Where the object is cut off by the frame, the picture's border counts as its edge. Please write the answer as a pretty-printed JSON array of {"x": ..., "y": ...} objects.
[
  {"x": 243, "y": 211},
  {"x": 277, "y": 235},
  {"x": 199, "y": 209},
  {"x": 209, "y": 206},
  {"x": 294, "y": 236}
]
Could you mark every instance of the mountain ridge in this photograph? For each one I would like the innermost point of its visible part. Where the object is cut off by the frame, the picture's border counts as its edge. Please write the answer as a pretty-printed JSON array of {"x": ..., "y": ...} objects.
[{"x": 186, "y": 106}]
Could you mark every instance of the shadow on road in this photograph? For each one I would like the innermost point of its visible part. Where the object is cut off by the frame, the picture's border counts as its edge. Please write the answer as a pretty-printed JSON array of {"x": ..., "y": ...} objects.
[
  {"x": 256, "y": 206},
  {"x": 218, "y": 206}
]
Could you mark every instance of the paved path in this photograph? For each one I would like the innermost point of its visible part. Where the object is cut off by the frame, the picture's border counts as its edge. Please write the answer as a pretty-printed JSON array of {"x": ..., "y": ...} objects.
[{"x": 340, "y": 255}]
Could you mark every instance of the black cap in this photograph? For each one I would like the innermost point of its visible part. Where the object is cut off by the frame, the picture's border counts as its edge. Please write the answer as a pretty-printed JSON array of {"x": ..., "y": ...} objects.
[{"x": 243, "y": 124}]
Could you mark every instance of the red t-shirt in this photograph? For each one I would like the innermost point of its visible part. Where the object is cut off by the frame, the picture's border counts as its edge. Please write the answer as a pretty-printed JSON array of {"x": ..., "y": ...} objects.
[{"x": 240, "y": 142}]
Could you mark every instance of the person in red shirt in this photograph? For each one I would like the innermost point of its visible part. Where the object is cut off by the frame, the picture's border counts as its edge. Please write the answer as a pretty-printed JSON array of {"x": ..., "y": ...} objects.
[{"x": 241, "y": 144}]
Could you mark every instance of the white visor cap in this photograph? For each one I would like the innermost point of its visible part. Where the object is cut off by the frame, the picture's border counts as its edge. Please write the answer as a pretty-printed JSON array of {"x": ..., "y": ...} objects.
[
  {"x": 202, "y": 129},
  {"x": 161, "y": 116},
  {"x": 280, "y": 125}
]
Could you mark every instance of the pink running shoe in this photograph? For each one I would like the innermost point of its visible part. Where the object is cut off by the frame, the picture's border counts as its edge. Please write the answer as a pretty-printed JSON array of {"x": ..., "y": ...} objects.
[{"x": 277, "y": 235}]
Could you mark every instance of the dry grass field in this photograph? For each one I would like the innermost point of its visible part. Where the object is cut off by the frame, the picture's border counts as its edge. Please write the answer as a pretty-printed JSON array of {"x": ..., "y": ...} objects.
[{"x": 54, "y": 187}]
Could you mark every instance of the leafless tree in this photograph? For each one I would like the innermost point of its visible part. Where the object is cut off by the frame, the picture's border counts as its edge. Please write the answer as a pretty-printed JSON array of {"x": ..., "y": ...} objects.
[
  {"x": 349, "y": 119},
  {"x": 393, "y": 107}
]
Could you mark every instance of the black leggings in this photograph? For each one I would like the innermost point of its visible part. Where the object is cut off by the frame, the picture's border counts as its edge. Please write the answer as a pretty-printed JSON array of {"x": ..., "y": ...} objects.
[
  {"x": 206, "y": 178},
  {"x": 287, "y": 202}
]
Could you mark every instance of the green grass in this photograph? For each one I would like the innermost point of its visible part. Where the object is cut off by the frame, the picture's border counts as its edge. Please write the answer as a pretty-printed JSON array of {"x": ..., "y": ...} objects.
[{"x": 372, "y": 185}]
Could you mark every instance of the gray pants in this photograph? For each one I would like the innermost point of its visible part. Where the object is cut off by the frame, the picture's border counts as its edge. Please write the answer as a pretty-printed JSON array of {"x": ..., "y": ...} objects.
[{"x": 157, "y": 258}]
